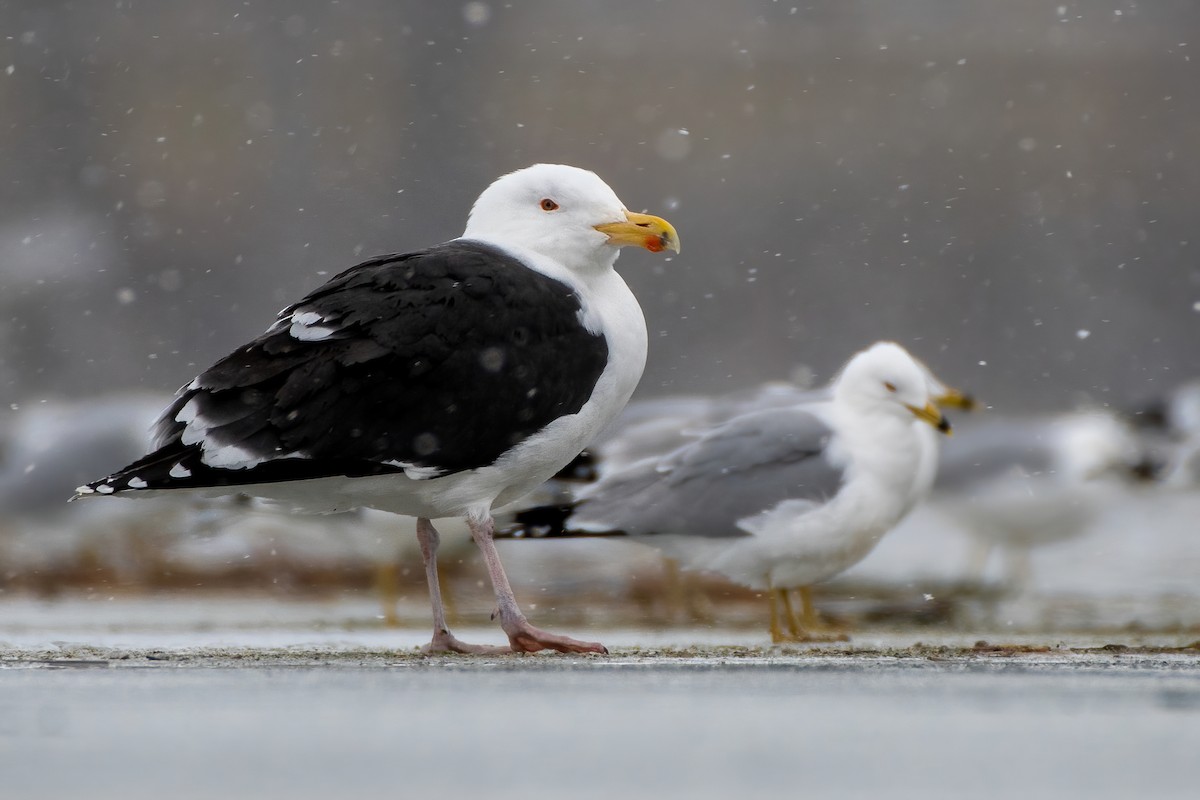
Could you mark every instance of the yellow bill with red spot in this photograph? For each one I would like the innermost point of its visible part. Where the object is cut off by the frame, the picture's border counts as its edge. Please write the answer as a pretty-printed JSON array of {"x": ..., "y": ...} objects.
[{"x": 641, "y": 230}]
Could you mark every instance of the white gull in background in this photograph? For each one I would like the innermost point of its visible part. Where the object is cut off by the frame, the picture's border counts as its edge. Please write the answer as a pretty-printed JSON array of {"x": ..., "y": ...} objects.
[
  {"x": 50, "y": 444},
  {"x": 54, "y": 443},
  {"x": 442, "y": 382},
  {"x": 1021, "y": 482},
  {"x": 1170, "y": 428},
  {"x": 776, "y": 499}
]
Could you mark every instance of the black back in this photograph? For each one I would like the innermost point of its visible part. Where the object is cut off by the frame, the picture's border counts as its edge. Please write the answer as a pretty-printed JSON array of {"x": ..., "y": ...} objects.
[{"x": 443, "y": 358}]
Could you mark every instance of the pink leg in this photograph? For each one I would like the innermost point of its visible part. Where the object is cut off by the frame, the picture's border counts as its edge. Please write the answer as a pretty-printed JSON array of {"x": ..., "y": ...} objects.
[
  {"x": 521, "y": 635},
  {"x": 443, "y": 640}
]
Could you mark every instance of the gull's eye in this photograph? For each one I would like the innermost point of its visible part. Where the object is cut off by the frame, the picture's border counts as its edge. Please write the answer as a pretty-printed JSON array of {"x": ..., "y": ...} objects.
[
  {"x": 891, "y": 387},
  {"x": 548, "y": 204}
]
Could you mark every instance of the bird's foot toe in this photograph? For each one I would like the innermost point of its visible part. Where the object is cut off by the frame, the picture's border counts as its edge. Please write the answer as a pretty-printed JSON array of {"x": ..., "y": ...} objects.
[
  {"x": 525, "y": 638},
  {"x": 446, "y": 642},
  {"x": 811, "y": 637}
]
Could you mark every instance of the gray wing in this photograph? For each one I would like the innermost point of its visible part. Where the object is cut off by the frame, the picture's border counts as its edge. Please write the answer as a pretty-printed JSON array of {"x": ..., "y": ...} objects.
[
  {"x": 650, "y": 428},
  {"x": 774, "y": 394},
  {"x": 657, "y": 426},
  {"x": 740, "y": 469}
]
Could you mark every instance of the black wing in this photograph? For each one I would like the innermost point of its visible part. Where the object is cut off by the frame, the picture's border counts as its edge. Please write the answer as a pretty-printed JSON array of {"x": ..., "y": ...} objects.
[{"x": 438, "y": 361}]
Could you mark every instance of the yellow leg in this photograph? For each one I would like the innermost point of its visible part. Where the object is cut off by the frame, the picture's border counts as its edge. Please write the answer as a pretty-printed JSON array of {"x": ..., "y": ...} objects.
[
  {"x": 794, "y": 627},
  {"x": 818, "y": 630},
  {"x": 807, "y": 628},
  {"x": 684, "y": 601},
  {"x": 811, "y": 621},
  {"x": 387, "y": 589},
  {"x": 776, "y": 631}
]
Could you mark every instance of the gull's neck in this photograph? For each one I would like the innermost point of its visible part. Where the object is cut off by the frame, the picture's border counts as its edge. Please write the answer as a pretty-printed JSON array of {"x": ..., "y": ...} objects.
[{"x": 579, "y": 264}]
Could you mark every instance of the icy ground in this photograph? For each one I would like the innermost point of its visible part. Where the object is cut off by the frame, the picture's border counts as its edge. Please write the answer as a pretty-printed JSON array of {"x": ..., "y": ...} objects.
[
  {"x": 1083, "y": 683},
  {"x": 238, "y": 699}
]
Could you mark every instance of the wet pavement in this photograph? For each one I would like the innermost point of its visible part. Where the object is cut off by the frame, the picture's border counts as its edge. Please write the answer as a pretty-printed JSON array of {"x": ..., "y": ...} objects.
[
  {"x": 128, "y": 699},
  {"x": 625, "y": 726}
]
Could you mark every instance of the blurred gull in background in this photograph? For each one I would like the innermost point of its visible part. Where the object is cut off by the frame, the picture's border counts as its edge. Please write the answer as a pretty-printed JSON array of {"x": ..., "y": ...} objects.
[
  {"x": 1018, "y": 483},
  {"x": 1170, "y": 427},
  {"x": 48, "y": 447}
]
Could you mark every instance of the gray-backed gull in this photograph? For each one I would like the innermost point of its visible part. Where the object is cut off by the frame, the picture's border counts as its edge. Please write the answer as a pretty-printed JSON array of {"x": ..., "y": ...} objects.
[{"x": 780, "y": 498}]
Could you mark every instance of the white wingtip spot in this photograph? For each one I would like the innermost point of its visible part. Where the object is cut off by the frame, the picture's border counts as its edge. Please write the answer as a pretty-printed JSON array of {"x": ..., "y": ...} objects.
[
  {"x": 137, "y": 483},
  {"x": 315, "y": 333},
  {"x": 229, "y": 456},
  {"x": 104, "y": 488},
  {"x": 180, "y": 471},
  {"x": 307, "y": 327},
  {"x": 415, "y": 472},
  {"x": 189, "y": 412}
]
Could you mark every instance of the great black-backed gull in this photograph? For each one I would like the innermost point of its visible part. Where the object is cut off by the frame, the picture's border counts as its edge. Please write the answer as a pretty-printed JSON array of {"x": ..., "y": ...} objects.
[
  {"x": 782, "y": 498},
  {"x": 442, "y": 382}
]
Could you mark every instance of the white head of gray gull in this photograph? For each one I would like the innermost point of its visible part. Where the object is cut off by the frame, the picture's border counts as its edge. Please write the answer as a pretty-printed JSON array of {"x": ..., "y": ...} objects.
[
  {"x": 780, "y": 498},
  {"x": 441, "y": 382}
]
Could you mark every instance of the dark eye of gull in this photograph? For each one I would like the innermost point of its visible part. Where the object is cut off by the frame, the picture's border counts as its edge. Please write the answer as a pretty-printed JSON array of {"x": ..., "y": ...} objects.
[{"x": 548, "y": 204}]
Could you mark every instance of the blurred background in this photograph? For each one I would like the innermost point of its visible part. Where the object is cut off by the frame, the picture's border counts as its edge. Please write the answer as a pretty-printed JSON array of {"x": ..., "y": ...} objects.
[
  {"x": 1006, "y": 188},
  {"x": 1009, "y": 189}
]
